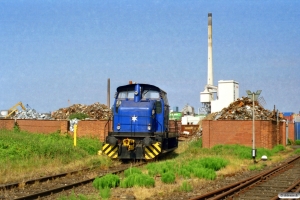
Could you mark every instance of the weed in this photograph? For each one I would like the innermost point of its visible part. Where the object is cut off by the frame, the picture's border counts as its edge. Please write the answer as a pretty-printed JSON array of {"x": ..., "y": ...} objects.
[
  {"x": 168, "y": 177},
  {"x": 278, "y": 148},
  {"x": 107, "y": 181},
  {"x": 73, "y": 196},
  {"x": 214, "y": 163},
  {"x": 290, "y": 142},
  {"x": 255, "y": 167},
  {"x": 16, "y": 127},
  {"x": 162, "y": 167},
  {"x": 137, "y": 180},
  {"x": 184, "y": 172},
  {"x": 186, "y": 186},
  {"x": 132, "y": 170},
  {"x": 105, "y": 193},
  {"x": 79, "y": 116},
  {"x": 205, "y": 173}
]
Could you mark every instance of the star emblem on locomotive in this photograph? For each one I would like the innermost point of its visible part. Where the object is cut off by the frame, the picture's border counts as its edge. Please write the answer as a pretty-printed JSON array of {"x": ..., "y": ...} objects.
[{"x": 134, "y": 118}]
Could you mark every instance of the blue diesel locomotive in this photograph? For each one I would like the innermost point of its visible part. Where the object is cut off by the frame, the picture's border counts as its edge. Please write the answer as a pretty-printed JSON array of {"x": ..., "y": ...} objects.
[{"x": 140, "y": 124}]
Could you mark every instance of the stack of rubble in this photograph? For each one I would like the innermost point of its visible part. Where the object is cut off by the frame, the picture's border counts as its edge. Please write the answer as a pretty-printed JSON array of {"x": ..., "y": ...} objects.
[
  {"x": 30, "y": 114},
  {"x": 242, "y": 109},
  {"x": 94, "y": 111}
]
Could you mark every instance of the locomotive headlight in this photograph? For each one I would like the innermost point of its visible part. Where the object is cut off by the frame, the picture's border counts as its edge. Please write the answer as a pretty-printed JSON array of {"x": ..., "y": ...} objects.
[
  {"x": 136, "y": 93},
  {"x": 118, "y": 127},
  {"x": 149, "y": 127},
  {"x": 153, "y": 112}
]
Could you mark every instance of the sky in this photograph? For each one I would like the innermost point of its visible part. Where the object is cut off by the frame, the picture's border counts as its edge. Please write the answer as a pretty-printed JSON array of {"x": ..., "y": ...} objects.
[{"x": 57, "y": 53}]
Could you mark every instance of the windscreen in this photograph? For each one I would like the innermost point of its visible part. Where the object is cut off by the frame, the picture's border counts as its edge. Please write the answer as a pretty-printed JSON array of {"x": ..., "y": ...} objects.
[{"x": 150, "y": 94}]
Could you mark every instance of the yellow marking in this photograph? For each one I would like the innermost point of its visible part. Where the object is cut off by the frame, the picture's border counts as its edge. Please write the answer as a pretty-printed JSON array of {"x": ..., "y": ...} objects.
[
  {"x": 108, "y": 149},
  {"x": 157, "y": 146},
  {"x": 149, "y": 153},
  {"x": 113, "y": 151},
  {"x": 153, "y": 150},
  {"x": 104, "y": 146},
  {"x": 147, "y": 157}
]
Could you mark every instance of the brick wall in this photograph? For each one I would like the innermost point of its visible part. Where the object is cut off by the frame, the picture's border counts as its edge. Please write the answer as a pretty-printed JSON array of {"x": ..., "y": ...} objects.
[
  {"x": 96, "y": 129},
  {"x": 7, "y": 124},
  {"x": 267, "y": 133},
  {"x": 291, "y": 127},
  {"x": 36, "y": 126}
]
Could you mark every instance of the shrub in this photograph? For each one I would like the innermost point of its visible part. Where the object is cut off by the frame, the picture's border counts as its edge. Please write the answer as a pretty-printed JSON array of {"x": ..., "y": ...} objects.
[
  {"x": 186, "y": 187},
  {"x": 137, "y": 180},
  {"x": 297, "y": 142},
  {"x": 107, "y": 181},
  {"x": 79, "y": 116},
  {"x": 168, "y": 177}
]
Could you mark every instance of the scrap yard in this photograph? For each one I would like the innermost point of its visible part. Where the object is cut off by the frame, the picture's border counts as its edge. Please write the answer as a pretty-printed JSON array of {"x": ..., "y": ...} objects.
[{"x": 142, "y": 100}]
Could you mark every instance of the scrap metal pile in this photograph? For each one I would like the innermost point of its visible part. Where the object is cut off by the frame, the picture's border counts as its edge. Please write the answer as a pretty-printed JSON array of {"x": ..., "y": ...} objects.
[
  {"x": 242, "y": 109},
  {"x": 30, "y": 114},
  {"x": 94, "y": 111}
]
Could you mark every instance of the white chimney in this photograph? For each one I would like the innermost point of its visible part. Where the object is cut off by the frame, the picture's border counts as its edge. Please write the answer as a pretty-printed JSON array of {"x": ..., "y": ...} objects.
[{"x": 210, "y": 80}]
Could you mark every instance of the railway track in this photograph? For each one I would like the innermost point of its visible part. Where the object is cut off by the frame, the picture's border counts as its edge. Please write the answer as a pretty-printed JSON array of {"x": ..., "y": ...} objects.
[
  {"x": 46, "y": 186},
  {"x": 267, "y": 185}
]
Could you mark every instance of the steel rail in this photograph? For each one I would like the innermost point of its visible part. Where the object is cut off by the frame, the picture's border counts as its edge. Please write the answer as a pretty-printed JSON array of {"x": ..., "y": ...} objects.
[
  {"x": 42, "y": 179},
  {"x": 73, "y": 185},
  {"x": 241, "y": 185},
  {"x": 294, "y": 187}
]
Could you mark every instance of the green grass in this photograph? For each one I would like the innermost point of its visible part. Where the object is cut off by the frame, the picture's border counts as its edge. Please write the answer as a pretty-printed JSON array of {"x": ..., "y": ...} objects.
[
  {"x": 79, "y": 116},
  {"x": 186, "y": 187},
  {"x": 132, "y": 170},
  {"x": 22, "y": 152},
  {"x": 168, "y": 177},
  {"x": 18, "y": 145},
  {"x": 244, "y": 152},
  {"x": 73, "y": 196},
  {"x": 256, "y": 167},
  {"x": 107, "y": 181},
  {"x": 105, "y": 193},
  {"x": 141, "y": 180},
  {"x": 162, "y": 167}
]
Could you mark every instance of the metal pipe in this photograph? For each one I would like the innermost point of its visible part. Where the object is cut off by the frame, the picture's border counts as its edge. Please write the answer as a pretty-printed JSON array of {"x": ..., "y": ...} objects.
[
  {"x": 108, "y": 93},
  {"x": 253, "y": 124}
]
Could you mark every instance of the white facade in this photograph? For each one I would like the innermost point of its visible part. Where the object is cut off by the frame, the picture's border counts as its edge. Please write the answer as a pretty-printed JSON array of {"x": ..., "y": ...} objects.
[{"x": 228, "y": 92}]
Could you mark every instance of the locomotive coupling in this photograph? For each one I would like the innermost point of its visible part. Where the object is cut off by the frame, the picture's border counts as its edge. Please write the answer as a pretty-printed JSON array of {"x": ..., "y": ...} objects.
[{"x": 129, "y": 143}]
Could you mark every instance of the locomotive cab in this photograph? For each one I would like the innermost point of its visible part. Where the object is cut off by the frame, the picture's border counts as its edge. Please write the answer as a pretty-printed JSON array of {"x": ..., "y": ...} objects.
[{"x": 140, "y": 124}]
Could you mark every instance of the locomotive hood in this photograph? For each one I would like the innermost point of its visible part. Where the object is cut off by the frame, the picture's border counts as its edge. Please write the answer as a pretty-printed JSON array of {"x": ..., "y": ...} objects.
[{"x": 135, "y": 116}]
